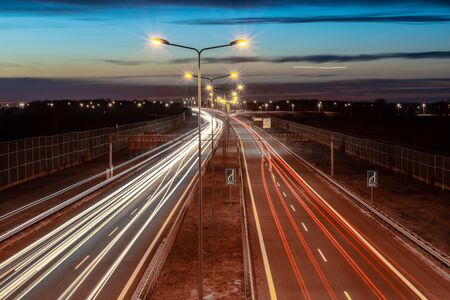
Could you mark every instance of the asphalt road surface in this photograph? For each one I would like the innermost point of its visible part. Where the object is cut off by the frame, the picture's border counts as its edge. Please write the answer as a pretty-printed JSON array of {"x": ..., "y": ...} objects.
[
  {"x": 312, "y": 243},
  {"x": 100, "y": 250}
]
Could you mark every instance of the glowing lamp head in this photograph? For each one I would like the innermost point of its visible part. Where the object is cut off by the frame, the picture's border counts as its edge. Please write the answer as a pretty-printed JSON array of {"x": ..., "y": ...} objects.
[
  {"x": 234, "y": 94},
  {"x": 240, "y": 43},
  {"x": 188, "y": 75},
  {"x": 209, "y": 87},
  {"x": 234, "y": 75},
  {"x": 156, "y": 41},
  {"x": 240, "y": 87}
]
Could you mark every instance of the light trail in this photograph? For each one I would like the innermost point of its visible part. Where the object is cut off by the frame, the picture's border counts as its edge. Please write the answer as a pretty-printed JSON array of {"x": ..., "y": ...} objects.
[
  {"x": 306, "y": 196},
  {"x": 145, "y": 196}
]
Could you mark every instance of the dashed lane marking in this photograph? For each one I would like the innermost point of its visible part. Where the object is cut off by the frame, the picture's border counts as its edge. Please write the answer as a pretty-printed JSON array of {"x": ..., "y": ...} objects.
[
  {"x": 323, "y": 256},
  {"x": 304, "y": 226},
  {"x": 111, "y": 233},
  {"x": 81, "y": 262},
  {"x": 347, "y": 295}
]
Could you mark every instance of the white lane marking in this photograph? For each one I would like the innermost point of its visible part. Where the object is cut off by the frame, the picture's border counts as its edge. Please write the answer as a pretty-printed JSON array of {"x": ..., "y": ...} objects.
[
  {"x": 132, "y": 213},
  {"x": 323, "y": 256},
  {"x": 81, "y": 262},
  {"x": 284, "y": 194},
  {"x": 262, "y": 245},
  {"x": 111, "y": 233},
  {"x": 38, "y": 266},
  {"x": 347, "y": 295},
  {"x": 304, "y": 226},
  {"x": 360, "y": 237},
  {"x": 278, "y": 184},
  {"x": 292, "y": 207}
]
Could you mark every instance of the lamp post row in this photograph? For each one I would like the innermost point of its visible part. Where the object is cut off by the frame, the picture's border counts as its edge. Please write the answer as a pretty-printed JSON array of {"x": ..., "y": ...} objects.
[{"x": 241, "y": 43}]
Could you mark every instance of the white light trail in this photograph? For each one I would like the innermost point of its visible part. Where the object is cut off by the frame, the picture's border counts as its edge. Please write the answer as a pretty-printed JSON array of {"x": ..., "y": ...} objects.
[{"x": 29, "y": 267}]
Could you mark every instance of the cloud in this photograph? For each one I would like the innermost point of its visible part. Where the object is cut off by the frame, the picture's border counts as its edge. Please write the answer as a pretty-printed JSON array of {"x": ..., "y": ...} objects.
[
  {"x": 15, "y": 89},
  {"x": 321, "y": 68},
  {"x": 12, "y": 65},
  {"x": 358, "y": 89},
  {"x": 79, "y": 6},
  {"x": 325, "y": 58},
  {"x": 361, "y": 89},
  {"x": 411, "y": 19},
  {"x": 124, "y": 62}
]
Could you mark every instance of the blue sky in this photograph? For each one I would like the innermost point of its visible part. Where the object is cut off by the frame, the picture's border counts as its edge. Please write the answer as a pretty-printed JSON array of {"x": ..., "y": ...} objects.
[{"x": 398, "y": 49}]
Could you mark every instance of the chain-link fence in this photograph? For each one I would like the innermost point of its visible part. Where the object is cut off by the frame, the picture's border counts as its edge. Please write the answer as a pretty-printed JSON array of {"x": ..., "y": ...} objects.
[
  {"x": 430, "y": 168},
  {"x": 24, "y": 159}
]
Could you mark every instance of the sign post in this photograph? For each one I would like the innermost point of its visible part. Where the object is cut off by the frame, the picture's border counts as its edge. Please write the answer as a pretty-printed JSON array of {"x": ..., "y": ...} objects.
[
  {"x": 267, "y": 123},
  {"x": 230, "y": 179},
  {"x": 372, "y": 181},
  {"x": 332, "y": 156},
  {"x": 230, "y": 176}
]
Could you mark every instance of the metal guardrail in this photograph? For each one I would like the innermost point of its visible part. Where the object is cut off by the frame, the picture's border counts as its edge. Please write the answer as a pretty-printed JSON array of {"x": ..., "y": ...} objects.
[
  {"x": 427, "y": 247},
  {"x": 156, "y": 264},
  {"x": 159, "y": 150},
  {"x": 159, "y": 258}
]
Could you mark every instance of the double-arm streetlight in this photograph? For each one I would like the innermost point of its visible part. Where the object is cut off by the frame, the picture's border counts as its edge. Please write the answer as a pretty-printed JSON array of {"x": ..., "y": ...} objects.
[
  {"x": 240, "y": 43},
  {"x": 210, "y": 87}
]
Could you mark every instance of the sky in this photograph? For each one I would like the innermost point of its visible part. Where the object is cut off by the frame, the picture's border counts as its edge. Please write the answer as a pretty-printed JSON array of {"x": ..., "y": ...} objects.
[{"x": 338, "y": 50}]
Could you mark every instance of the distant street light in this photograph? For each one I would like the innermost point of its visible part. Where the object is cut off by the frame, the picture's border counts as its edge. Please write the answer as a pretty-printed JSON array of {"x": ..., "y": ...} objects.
[
  {"x": 293, "y": 105},
  {"x": 399, "y": 107},
  {"x": 210, "y": 87},
  {"x": 424, "y": 106},
  {"x": 240, "y": 43}
]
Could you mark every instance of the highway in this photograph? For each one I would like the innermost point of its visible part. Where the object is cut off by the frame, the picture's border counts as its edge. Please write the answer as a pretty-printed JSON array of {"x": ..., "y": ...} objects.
[
  {"x": 310, "y": 242},
  {"x": 100, "y": 248}
]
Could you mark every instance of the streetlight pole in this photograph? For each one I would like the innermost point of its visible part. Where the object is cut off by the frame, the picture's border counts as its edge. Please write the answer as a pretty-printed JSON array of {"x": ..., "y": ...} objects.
[{"x": 240, "y": 43}]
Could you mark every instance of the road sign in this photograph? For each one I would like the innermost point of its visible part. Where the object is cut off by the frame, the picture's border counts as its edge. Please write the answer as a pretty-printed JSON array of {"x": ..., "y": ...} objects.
[
  {"x": 230, "y": 176},
  {"x": 266, "y": 123},
  {"x": 372, "y": 178}
]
